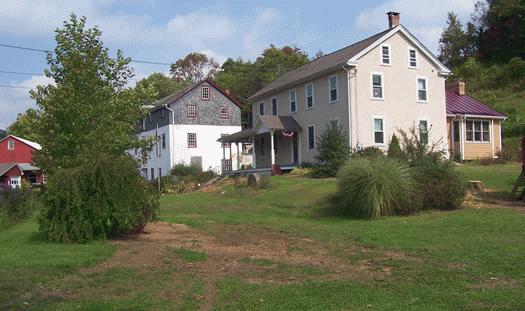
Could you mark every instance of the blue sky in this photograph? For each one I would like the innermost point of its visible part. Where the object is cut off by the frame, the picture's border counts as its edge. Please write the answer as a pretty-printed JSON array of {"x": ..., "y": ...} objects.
[{"x": 165, "y": 31}]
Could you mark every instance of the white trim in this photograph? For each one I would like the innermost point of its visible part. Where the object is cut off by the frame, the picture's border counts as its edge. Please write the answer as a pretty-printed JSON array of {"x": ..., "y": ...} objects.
[
  {"x": 308, "y": 136},
  {"x": 492, "y": 137},
  {"x": 372, "y": 74},
  {"x": 290, "y": 100},
  {"x": 425, "y": 101},
  {"x": 374, "y": 118},
  {"x": 477, "y": 116},
  {"x": 411, "y": 48},
  {"x": 500, "y": 138},
  {"x": 276, "y": 106},
  {"x": 443, "y": 69},
  {"x": 462, "y": 135},
  {"x": 386, "y": 45},
  {"x": 330, "y": 101},
  {"x": 473, "y": 141},
  {"x": 306, "y": 96}
]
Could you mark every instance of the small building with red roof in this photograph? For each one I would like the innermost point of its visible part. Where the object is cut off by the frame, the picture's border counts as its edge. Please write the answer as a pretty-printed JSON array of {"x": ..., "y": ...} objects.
[
  {"x": 474, "y": 129},
  {"x": 16, "y": 158}
]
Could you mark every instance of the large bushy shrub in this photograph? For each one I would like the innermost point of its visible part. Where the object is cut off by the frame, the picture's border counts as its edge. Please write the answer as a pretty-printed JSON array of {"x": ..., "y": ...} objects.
[
  {"x": 368, "y": 152},
  {"x": 441, "y": 185},
  {"x": 183, "y": 170},
  {"x": 332, "y": 151},
  {"x": 16, "y": 204},
  {"x": 377, "y": 186},
  {"x": 98, "y": 199}
]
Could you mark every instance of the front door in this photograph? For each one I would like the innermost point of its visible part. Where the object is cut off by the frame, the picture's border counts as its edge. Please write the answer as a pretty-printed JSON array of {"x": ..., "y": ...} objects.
[{"x": 295, "y": 147}]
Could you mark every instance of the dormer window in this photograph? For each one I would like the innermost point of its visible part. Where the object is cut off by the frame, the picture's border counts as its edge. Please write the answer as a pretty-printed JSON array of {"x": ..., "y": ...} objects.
[
  {"x": 192, "y": 111},
  {"x": 225, "y": 114},
  {"x": 385, "y": 54},
  {"x": 11, "y": 144},
  {"x": 412, "y": 58},
  {"x": 205, "y": 93}
]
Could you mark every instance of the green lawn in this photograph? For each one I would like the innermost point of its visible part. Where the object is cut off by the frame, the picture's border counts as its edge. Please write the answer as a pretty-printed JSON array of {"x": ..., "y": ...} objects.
[{"x": 307, "y": 258}]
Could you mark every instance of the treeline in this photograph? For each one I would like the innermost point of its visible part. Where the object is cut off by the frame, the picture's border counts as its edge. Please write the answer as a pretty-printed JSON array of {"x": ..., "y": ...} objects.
[{"x": 488, "y": 53}]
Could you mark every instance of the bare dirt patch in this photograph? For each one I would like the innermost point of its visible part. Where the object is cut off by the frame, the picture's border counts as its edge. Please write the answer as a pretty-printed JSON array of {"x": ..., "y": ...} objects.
[
  {"x": 254, "y": 254},
  {"x": 494, "y": 282}
]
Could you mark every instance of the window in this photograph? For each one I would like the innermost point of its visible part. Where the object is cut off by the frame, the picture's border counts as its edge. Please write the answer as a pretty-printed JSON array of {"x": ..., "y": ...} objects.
[
  {"x": 423, "y": 131},
  {"x": 309, "y": 96},
  {"x": 192, "y": 140},
  {"x": 145, "y": 173},
  {"x": 293, "y": 101},
  {"x": 162, "y": 113},
  {"x": 225, "y": 113},
  {"x": 385, "y": 54},
  {"x": 377, "y": 85},
  {"x": 160, "y": 172},
  {"x": 477, "y": 131},
  {"x": 143, "y": 124},
  {"x": 150, "y": 119},
  {"x": 412, "y": 58},
  {"x": 225, "y": 145},
  {"x": 333, "y": 88},
  {"x": 274, "y": 106},
  {"x": 335, "y": 122},
  {"x": 311, "y": 137},
  {"x": 275, "y": 144},
  {"x": 205, "y": 93},
  {"x": 192, "y": 111},
  {"x": 379, "y": 132},
  {"x": 456, "y": 131},
  {"x": 422, "y": 89},
  {"x": 11, "y": 144},
  {"x": 163, "y": 141},
  {"x": 15, "y": 182},
  {"x": 261, "y": 109},
  {"x": 263, "y": 146},
  {"x": 152, "y": 173}
]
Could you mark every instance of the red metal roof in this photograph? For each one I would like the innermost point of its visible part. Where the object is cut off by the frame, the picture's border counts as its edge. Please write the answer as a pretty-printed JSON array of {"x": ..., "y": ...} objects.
[{"x": 464, "y": 104}]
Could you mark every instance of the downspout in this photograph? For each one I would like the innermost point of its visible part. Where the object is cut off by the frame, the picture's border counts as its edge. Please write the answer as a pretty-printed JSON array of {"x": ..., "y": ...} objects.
[
  {"x": 172, "y": 136},
  {"x": 350, "y": 121}
]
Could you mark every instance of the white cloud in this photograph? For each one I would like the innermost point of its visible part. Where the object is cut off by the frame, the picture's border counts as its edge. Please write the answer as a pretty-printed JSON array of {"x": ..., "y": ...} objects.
[
  {"x": 16, "y": 100},
  {"x": 426, "y": 19},
  {"x": 198, "y": 27}
]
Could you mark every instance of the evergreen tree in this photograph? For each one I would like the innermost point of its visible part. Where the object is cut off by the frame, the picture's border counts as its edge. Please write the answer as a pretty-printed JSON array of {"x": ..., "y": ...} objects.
[
  {"x": 332, "y": 151},
  {"x": 394, "y": 149},
  {"x": 453, "y": 42}
]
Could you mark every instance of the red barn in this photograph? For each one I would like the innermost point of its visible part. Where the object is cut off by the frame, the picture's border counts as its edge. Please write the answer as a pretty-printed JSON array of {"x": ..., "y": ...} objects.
[{"x": 16, "y": 156}]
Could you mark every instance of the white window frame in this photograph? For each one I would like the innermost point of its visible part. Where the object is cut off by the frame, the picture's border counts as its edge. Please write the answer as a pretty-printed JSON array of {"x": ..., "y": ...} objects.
[
  {"x": 381, "y": 60},
  {"x": 276, "y": 112},
  {"x": 191, "y": 111},
  {"x": 330, "y": 89},
  {"x": 189, "y": 140},
  {"x": 294, "y": 92},
  {"x": 11, "y": 144},
  {"x": 163, "y": 142},
  {"x": 382, "y": 118},
  {"x": 419, "y": 127},
  {"x": 306, "y": 96},
  {"x": 473, "y": 140},
  {"x": 308, "y": 136},
  {"x": 372, "y": 74},
  {"x": 426, "y": 89},
  {"x": 224, "y": 112},
  {"x": 205, "y": 95},
  {"x": 15, "y": 182},
  {"x": 415, "y": 57},
  {"x": 261, "y": 111}
]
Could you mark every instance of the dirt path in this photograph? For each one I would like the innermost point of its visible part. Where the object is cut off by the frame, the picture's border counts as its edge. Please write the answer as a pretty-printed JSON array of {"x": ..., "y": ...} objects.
[{"x": 254, "y": 254}]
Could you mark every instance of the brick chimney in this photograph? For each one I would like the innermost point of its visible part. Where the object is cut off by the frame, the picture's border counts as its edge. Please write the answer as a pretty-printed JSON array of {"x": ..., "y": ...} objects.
[
  {"x": 393, "y": 19},
  {"x": 460, "y": 87}
]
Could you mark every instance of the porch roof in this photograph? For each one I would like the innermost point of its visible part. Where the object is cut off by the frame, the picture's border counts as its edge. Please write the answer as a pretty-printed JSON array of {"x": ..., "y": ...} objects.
[{"x": 263, "y": 124}]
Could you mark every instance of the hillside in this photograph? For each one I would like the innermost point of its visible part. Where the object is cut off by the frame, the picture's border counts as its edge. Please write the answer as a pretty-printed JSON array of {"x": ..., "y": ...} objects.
[{"x": 3, "y": 134}]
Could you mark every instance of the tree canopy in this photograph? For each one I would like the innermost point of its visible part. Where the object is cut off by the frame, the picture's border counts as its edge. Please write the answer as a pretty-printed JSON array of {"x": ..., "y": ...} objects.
[
  {"x": 194, "y": 67},
  {"x": 26, "y": 125}
]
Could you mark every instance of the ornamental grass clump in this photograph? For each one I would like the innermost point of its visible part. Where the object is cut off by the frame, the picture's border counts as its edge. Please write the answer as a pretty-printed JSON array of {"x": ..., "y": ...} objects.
[{"x": 375, "y": 187}]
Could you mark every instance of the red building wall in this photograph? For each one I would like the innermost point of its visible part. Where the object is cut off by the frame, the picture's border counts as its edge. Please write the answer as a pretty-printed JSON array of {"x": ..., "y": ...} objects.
[
  {"x": 22, "y": 153},
  {"x": 14, "y": 172}
]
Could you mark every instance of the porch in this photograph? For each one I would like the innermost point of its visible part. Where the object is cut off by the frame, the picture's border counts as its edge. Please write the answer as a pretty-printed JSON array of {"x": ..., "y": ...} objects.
[{"x": 275, "y": 146}]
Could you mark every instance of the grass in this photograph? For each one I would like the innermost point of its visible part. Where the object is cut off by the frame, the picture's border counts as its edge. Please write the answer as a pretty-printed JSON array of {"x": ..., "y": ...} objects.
[
  {"x": 191, "y": 255},
  {"x": 464, "y": 259}
]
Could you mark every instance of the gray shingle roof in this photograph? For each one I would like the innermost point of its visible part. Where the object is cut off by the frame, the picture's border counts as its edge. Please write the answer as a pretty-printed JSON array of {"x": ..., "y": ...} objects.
[
  {"x": 279, "y": 123},
  {"x": 322, "y": 64},
  {"x": 5, "y": 167}
]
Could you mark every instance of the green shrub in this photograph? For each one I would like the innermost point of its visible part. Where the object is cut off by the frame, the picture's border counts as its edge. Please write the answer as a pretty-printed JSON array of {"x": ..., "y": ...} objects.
[
  {"x": 332, "y": 151},
  {"x": 183, "y": 170},
  {"x": 302, "y": 172},
  {"x": 191, "y": 174},
  {"x": 101, "y": 198},
  {"x": 16, "y": 204},
  {"x": 394, "y": 149},
  {"x": 374, "y": 187},
  {"x": 369, "y": 152},
  {"x": 441, "y": 185}
]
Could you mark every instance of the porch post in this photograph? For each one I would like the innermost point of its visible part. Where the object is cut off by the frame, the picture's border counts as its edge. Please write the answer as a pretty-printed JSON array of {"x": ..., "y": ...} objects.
[
  {"x": 223, "y": 157},
  {"x": 254, "y": 157},
  {"x": 272, "y": 148},
  {"x": 462, "y": 137},
  {"x": 238, "y": 156},
  {"x": 231, "y": 160}
]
